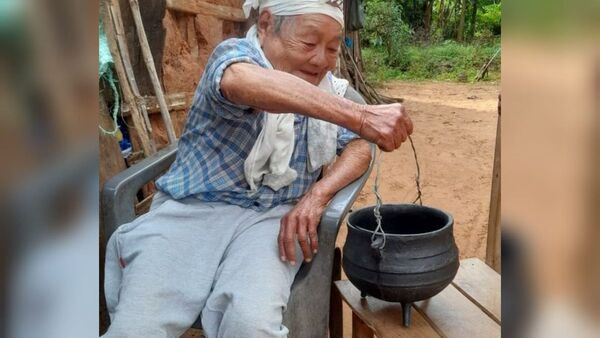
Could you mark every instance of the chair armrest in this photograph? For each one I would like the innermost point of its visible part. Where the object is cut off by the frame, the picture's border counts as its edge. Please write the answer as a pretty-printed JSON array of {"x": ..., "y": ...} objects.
[
  {"x": 308, "y": 306},
  {"x": 119, "y": 192},
  {"x": 343, "y": 200}
]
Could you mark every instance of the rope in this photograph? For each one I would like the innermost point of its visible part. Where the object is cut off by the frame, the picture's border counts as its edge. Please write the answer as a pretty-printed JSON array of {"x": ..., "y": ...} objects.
[
  {"x": 105, "y": 72},
  {"x": 108, "y": 76},
  {"x": 418, "y": 175}
]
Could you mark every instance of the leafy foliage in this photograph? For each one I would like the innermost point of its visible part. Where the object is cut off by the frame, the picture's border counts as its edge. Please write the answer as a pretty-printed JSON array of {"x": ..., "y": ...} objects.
[
  {"x": 416, "y": 39},
  {"x": 448, "y": 61},
  {"x": 490, "y": 18},
  {"x": 384, "y": 28}
]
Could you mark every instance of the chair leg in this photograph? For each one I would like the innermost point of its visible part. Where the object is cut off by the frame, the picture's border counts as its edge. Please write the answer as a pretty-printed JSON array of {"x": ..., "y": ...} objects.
[{"x": 336, "y": 322}]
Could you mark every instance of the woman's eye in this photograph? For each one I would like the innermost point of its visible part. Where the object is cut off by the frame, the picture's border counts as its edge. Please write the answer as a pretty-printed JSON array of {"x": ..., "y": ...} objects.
[{"x": 310, "y": 44}]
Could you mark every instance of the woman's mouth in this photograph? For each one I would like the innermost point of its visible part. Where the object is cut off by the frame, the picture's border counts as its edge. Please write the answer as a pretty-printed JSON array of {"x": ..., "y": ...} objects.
[{"x": 310, "y": 76}]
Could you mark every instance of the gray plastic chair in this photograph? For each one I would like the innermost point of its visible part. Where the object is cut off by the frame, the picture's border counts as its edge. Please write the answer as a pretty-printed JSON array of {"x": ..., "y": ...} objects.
[{"x": 307, "y": 314}]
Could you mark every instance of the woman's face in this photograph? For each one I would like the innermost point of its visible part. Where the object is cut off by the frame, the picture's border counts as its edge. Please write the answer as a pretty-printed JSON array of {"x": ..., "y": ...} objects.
[{"x": 304, "y": 45}]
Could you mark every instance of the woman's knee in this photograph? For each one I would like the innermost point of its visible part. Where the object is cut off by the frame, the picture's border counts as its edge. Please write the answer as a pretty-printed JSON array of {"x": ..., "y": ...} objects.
[{"x": 253, "y": 319}]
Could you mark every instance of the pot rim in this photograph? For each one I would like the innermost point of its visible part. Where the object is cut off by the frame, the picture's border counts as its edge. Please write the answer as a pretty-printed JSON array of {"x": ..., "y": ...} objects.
[{"x": 423, "y": 234}]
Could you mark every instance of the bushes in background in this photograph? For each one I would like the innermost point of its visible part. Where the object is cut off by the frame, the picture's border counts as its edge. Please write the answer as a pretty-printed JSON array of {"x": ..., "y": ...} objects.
[{"x": 448, "y": 61}]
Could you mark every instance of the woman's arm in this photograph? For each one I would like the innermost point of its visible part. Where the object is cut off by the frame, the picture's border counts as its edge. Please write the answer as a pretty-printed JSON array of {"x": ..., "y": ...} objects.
[
  {"x": 275, "y": 91},
  {"x": 302, "y": 221}
]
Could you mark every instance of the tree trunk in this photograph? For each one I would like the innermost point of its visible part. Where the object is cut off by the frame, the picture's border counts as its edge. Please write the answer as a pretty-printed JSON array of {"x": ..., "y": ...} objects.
[
  {"x": 413, "y": 21},
  {"x": 442, "y": 18},
  {"x": 388, "y": 48},
  {"x": 427, "y": 18},
  {"x": 473, "y": 20},
  {"x": 460, "y": 32}
]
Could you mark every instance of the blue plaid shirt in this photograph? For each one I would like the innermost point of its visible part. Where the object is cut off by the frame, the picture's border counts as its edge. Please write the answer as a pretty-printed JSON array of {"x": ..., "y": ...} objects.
[{"x": 218, "y": 137}]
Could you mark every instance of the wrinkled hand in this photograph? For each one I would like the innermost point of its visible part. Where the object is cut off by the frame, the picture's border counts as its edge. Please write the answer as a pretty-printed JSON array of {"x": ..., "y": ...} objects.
[
  {"x": 388, "y": 125},
  {"x": 300, "y": 224}
]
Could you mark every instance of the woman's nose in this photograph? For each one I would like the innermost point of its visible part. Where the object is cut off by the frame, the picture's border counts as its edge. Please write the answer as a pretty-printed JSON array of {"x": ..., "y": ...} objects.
[{"x": 319, "y": 59}]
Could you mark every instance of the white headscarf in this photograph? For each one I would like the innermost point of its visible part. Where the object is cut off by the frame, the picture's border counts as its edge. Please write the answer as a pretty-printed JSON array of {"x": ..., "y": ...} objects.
[{"x": 332, "y": 8}]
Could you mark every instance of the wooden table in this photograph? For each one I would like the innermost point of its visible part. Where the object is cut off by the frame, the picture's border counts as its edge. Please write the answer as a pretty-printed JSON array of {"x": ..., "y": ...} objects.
[{"x": 469, "y": 307}]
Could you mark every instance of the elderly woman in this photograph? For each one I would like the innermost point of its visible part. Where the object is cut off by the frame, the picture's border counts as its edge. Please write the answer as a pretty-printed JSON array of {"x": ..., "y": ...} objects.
[{"x": 238, "y": 210}]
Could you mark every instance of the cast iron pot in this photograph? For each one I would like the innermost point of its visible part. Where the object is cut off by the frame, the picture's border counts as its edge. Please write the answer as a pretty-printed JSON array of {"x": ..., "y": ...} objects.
[{"x": 419, "y": 259}]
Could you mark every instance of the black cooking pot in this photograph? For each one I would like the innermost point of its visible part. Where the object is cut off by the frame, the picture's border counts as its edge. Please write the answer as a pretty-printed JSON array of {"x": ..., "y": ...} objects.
[{"x": 419, "y": 258}]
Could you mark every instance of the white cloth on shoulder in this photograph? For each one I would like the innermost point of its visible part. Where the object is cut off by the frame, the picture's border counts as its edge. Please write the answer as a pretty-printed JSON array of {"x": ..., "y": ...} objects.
[{"x": 269, "y": 160}]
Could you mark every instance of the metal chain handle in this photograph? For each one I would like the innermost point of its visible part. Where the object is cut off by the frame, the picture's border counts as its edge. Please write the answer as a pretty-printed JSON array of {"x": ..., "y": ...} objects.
[
  {"x": 379, "y": 229},
  {"x": 377, "y": 243}
]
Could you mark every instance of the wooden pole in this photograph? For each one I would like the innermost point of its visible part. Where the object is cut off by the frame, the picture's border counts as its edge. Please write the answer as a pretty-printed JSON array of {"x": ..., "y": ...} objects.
[
  {"x": 357, "y": 50},
  {"x": 336, "y": 320},
  {"x": 136, "y": 116},
  {"x": 484, "y": 69},
  {"x": 492, "y": 256},
  {"x": 149, "y": 60},
  {"x": 115, "y": 12}
]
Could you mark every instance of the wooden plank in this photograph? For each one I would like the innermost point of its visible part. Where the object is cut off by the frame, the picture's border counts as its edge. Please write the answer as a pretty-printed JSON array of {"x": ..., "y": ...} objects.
[
  {"x": 456, "y": 316},
  {"x": 144, "y": 206},
  {"x": 482, "y": 285},
  {"x": 205, "y": 8},
  {"x": 359, "y": 328},
  {"x": 336, "y": 318},
  {"x": 111, "y": 160},
  {"x": 493, "y": 254},
  {"x": 176, "y": 101},
  {"x": 149, "y": 60},
  {"x": 384, "y": 318}
]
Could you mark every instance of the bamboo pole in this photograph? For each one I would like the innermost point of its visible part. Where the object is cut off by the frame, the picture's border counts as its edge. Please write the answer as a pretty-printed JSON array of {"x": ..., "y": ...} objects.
[
  {"x": 136, "y": 116},
  {"x": 493, "y": 247},
  {"x": 484, "y": 69},
  {"x": 149, "y": 60},
  {"x": 115, "y": 12}
]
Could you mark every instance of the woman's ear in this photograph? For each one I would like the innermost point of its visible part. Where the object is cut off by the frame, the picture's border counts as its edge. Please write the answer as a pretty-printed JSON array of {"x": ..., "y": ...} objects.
[{"x": 264, "y": 24}]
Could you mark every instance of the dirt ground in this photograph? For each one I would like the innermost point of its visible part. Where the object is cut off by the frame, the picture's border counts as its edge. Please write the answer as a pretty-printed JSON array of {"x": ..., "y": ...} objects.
[{"x": 455, "y": 131}]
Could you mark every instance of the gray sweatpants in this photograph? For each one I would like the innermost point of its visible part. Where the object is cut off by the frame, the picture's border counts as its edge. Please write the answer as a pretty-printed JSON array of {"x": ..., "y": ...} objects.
[{"x": 186, "y": 257}]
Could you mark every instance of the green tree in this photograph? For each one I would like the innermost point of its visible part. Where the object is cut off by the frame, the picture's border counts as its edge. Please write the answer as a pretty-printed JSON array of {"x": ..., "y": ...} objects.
[
  {"x": 460, "y": 31},
  {"x": 473, "y": 23},
  {"x": 385, "y": 28},
  {"x": 490, "y": 17}
]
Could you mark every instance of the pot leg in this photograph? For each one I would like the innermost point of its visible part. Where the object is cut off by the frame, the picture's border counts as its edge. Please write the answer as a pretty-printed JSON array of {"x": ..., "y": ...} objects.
[{"x": 406, "y": 307}]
